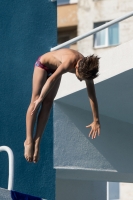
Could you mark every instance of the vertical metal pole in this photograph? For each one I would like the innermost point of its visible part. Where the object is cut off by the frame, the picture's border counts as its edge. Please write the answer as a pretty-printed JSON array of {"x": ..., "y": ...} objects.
[{"x": 107, "y": 190}]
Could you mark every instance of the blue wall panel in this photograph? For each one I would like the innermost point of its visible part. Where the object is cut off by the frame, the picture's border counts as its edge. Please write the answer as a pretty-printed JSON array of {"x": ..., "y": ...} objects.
[{"x": 27, "y": 30}]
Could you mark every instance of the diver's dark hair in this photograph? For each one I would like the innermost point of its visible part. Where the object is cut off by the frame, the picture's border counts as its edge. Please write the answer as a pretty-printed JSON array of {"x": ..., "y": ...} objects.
[{"x": 88, "y": 67}]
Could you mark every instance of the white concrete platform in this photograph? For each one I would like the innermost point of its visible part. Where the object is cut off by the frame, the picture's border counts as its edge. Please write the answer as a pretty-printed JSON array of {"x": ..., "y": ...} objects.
[
  {"x": 5, "y": 194},
  {"x": 108, "y": 157}
]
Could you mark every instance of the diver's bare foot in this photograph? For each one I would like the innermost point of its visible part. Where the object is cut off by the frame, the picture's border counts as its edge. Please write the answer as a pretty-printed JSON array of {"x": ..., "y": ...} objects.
[
  {"x": 29, "y": 150},
  {"x": 36, "y": 151}
]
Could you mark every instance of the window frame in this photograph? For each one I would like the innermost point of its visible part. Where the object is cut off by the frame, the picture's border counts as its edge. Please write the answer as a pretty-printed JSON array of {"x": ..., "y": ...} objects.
[{"x": 106, "y": 37}]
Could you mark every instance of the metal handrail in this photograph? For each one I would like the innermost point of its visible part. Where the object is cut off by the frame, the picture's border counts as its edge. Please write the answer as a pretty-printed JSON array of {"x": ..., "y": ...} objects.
[
  {"x": 11, "y": 165},
  {"x": 92, "y": 32}
]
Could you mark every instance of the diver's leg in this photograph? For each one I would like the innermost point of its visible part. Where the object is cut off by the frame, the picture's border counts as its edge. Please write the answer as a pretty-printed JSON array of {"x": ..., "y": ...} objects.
[
  {"x": 39, "y": 79},
  {"x": 43, "y": 117}
]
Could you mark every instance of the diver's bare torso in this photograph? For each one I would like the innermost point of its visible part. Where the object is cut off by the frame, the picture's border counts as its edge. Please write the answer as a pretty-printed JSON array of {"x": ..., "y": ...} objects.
[{"x": 54, "y": 59}]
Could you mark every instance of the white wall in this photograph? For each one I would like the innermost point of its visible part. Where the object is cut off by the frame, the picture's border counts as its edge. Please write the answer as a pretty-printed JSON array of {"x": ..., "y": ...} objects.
[
  {"x": 126, "y": 191},
  {"x": 73, "y": 1}
]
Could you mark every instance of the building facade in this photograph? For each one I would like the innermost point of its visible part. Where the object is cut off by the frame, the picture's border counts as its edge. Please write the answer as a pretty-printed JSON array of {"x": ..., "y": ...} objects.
[
  {"x": 91, "y": 14},
  {"x": 67, "y": 21}
]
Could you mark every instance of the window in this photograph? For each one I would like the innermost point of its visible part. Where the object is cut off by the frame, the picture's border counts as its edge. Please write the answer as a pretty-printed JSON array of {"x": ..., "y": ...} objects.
[
  {"x": 60, "y": 2},
  {"x": 106, "y": 37},
  {"x": 67, "y": 34}
]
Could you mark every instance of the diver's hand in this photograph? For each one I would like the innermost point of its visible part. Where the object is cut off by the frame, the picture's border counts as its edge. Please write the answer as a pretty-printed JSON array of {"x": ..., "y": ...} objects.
[
  {"x": 95, "y": 129},
  {"x": 36, "y": 105}
]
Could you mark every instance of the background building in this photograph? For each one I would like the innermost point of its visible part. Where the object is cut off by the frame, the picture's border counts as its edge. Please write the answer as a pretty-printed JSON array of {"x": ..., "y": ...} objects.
[
  {"x": 78, "y": 17},
  {"x": 67, "y": 21},
  {"x": 91, "y": 14}
]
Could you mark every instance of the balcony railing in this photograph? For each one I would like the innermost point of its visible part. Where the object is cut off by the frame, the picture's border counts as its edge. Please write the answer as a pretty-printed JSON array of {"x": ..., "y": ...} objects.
[{"x": 92, "y": 32}]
